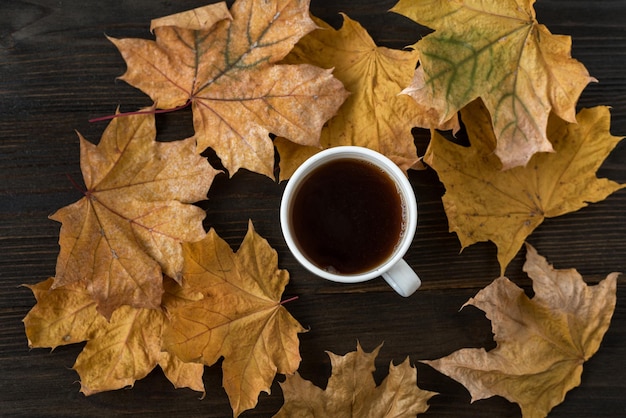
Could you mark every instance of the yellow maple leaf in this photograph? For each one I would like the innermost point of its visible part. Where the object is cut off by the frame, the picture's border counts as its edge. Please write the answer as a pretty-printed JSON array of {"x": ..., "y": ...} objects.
[
  {"x": 352, "y": 391},
  {"x": 181, "y": 374},
  {"x": 124, "y": 351},
  {"x": 62, "y": 316},
  {"x": 137, "y": 210},
  {"x": 482, "y": 202},
  {"x": 240, "y": 318},
  {"x": 224, "y": 64},
  {"x": 542, "y": 342},
  {"x": 374, "y": 115},
  {"x": 496, "y": 50},
  {"x": 119, "y": 351}
]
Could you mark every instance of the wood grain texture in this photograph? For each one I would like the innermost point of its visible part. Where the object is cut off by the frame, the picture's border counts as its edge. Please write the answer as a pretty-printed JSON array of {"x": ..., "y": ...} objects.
[{"x": 58, "y": 70}]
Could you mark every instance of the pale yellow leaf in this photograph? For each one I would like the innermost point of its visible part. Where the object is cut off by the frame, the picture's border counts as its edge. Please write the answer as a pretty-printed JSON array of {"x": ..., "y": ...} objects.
[{"x": 542, "y": 342}]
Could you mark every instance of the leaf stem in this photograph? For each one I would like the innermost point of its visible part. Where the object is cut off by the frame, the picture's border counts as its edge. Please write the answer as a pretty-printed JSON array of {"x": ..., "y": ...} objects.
[
  {"x": 76, "y": 185},
  {"x": 141, "y": 112},
  {"x": 291, "y": 299}
]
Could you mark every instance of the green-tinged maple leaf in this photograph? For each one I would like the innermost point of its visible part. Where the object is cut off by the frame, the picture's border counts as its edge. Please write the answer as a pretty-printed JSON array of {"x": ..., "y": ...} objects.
[
  {"x": 224, "y": 64},
  {"x": 542, "y": 342},
  {"x": 497, "y": 51},
  {"x": 483, "y": 202},
  {"x": 241, "y": 317}
]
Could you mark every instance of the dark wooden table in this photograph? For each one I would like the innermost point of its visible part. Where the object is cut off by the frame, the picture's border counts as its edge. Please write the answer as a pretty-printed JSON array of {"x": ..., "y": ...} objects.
[{"x": 58, "y": 70}]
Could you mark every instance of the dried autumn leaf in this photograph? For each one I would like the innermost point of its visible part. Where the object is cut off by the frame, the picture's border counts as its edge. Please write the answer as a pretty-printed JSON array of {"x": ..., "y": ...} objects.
[
  {"x": 225, "y": 65},
  {"x": 61, "y": 316},
  {"x": 119, "y": 351},
  {"x": 497, "y": 51},
  {"x": 483, "y": 202},
  {"x": 181, "y": 374},
  {"x": 195, "y": 19},
  {"x": 241, "y": 317},
  {"x": 374, "y": 115},
  {"x": 127, "y": 230},
  {"x": 542, "y": 342},
  {"x": 352, "y": 392}
]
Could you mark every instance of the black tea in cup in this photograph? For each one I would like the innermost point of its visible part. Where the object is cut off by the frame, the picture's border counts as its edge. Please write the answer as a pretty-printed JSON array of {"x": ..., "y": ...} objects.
[{"x": 347, "y": 216}]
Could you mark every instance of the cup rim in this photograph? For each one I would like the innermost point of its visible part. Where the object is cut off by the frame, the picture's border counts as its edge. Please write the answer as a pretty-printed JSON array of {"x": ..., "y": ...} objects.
[{"x": 363, "y": 153}]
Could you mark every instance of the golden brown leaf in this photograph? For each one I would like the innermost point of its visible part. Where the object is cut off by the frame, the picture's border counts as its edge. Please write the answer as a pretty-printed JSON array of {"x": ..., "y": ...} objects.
[
  {"x": 119, "y": 351},
  {"x": 181, "y": 374},
  {"x": 374, "y": 115},
  {"x": 225, "y": 65},
  {"x": 496, "y": 50},
  {"x": 65, "y": 315},
  {"x": 352, "y": 392},
  {"x": 127, "y": 230},
  {"x": 123, "y": 351},
  {"x": 542, "y": 342},
  {"x": 241, "y": 317},
  {"x": 483, "y": 202}
]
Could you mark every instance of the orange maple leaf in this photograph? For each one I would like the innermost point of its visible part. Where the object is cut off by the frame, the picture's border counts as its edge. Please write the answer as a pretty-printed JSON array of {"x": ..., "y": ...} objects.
[
  {"x": 240, "y": 318},
  {"x": 224, "y": 64},
  {"x": 127, "y": 230}
]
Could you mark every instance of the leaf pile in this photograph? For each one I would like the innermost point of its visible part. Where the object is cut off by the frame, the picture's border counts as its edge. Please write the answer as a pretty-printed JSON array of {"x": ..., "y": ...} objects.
[
  {"x": 375, "y": 115},
  {"x": 139, "y": 279},
  {"x": 127, "y": 271},
  {"x": 227, "y": 307},
  {"x": 516, "y": 87}
]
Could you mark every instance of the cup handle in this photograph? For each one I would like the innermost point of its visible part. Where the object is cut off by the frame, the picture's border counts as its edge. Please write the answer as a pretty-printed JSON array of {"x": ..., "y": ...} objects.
[{"x": 402, "y": 278}]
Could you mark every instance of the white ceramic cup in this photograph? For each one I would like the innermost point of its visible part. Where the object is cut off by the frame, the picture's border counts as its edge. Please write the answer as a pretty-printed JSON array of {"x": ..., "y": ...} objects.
[{"x": 394, "y": 269}]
